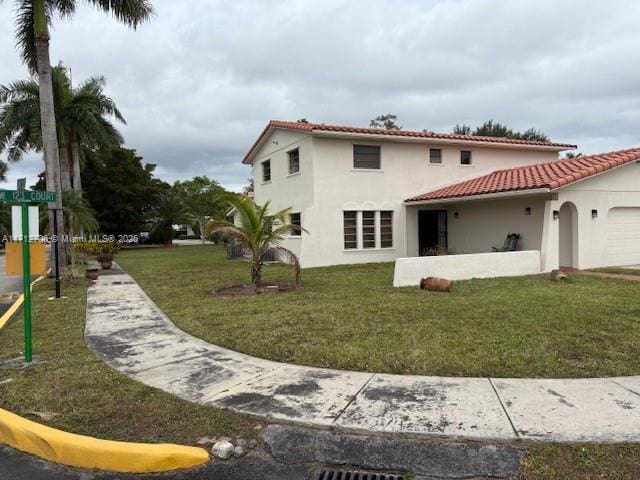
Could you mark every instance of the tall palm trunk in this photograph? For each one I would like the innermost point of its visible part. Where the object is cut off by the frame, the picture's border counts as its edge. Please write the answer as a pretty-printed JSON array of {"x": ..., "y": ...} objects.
[
  {"x": 65, "y": 170},
  {"x": 75, "y": 161},
  {"x": 167, "y": 236},
  {"x": 77, "y": 180},
  {"x": 47, "y": 117}
]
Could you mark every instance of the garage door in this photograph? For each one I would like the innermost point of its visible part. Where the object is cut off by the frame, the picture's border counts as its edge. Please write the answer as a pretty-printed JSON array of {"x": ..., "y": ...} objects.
[{"x": 623, "y": 236}]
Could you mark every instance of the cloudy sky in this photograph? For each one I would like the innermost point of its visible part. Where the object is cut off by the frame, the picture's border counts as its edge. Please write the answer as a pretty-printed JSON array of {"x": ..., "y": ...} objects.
[{"x": 199, "y": 82}]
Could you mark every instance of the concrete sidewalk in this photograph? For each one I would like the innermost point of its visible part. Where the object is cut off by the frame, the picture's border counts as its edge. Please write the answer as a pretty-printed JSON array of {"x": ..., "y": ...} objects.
[{"x": 130, "y": 332}]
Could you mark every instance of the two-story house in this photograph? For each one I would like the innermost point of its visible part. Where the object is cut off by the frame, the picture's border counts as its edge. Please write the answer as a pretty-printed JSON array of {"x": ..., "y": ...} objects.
[{"x": 373, "y": 195}]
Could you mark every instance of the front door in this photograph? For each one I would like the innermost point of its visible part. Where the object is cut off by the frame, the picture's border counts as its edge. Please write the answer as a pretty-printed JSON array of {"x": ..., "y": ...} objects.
[{"x": 432, "y": 231}]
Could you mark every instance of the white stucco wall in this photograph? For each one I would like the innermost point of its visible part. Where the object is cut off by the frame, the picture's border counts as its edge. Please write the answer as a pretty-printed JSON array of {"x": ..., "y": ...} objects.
[
  {"x": 327, "y": 185},
  {"x": 284, "y": 190},
  {"x": 613, "y": 189},
  {"x": 408, "y": 271}
]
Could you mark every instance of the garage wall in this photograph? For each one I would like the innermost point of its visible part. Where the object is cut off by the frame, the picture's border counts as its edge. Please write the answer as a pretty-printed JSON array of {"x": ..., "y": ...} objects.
[{"x": 613, "y": 238}]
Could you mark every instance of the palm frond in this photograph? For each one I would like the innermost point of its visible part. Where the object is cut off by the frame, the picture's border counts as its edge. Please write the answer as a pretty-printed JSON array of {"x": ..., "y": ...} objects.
[
  {"x": 287, "y": 256},
  {"x": 25, "y": 34},
  {"x": 129, "y": 12}
]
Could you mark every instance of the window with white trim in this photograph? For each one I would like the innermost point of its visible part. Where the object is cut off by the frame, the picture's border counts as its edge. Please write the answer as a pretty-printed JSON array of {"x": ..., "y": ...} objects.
[
  {"x": 294, "y": 161},
  {"x": 435, "y": 155},
  {"x": 366, "y": 157},
  {"x": 368, "y": 229},
  {"x": 350, "y": 224},
  {"x": 296, "y": 219},
  {"x": 386, "y": 229},
  {"x": 266, "y": 171}
]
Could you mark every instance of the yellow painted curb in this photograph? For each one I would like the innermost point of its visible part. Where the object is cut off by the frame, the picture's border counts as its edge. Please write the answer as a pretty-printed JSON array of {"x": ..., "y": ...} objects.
[
  {"x": 18, "y": 303},
  {"x": 88, "y": 452}
]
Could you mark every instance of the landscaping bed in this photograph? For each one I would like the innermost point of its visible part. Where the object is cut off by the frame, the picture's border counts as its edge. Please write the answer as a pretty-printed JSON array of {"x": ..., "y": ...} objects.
[{"x": 350, "y": 317}]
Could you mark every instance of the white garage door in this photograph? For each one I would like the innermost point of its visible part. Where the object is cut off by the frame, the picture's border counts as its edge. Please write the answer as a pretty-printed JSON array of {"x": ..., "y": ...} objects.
[{"x": 623, "y": 236}]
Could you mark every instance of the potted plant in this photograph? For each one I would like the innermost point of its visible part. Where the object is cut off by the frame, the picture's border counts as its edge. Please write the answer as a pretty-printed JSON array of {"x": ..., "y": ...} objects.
[
  {"x": 93, "y": 271},
  {"x": 105, "y": 258},
  {"x": 106, "y": 251}
]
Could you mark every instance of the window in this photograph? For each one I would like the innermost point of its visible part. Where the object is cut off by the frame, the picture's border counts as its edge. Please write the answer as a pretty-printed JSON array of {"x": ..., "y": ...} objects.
[
  {"x": 386, "y": 229},
  {"x": 294, "y": 161},
  {"x": 295, "y": 219},
  {"x": 369, "y": 229},
  {"x": 350, "y": 229},
  {"x": 465, "y": 157},
  {"x": 366, "y": 157},
  {"x": 435, "y": 155},
  {"x": 266, "y": 171}
]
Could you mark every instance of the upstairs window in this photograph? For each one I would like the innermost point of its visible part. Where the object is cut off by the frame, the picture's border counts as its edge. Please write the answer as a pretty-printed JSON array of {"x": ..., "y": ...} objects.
[
  {"x": 295, "y": 219},
  {"x": 366, "y": 157},
  {"x": 465, "y": 157},
  {"x": 294, "y": 161},
  {"x": 266, "y": 171},
  {"x": 435, "y": 155}
]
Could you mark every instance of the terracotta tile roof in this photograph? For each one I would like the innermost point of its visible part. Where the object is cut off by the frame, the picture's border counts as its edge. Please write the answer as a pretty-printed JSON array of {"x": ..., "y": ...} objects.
[
  {"x": 321, "y": 127},
  {"x": 549, "y": 176}
]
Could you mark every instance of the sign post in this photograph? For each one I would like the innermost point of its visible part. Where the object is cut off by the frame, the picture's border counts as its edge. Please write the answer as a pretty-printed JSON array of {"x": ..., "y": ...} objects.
[
  {"x": 25, "y": 198},
  {"x": 26, "y": 283}
]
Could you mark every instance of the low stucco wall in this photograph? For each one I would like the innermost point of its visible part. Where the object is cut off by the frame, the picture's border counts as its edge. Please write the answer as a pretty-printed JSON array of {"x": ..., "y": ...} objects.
[{"x": 409, "y": 271}]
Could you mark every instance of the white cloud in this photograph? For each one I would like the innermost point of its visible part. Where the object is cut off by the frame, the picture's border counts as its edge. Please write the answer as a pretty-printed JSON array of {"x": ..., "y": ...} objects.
[{"x": 199, "y": 82}]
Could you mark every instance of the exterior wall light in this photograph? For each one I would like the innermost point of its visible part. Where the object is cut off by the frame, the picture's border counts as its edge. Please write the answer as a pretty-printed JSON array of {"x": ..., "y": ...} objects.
[
  {"x": 456, "y": 215},
  {"x": 527, "y": 211},
  {"x": 556, "y": 214},
  {"x": 594, "y": 213}
]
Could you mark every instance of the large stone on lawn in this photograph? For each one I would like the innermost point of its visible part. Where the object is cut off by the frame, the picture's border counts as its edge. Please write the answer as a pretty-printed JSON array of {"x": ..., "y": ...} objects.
[{"x": 436, "y": 284}]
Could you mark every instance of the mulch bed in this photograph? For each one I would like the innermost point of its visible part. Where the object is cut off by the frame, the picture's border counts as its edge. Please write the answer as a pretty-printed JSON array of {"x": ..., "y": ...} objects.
[{"x": 250, "y": 290}]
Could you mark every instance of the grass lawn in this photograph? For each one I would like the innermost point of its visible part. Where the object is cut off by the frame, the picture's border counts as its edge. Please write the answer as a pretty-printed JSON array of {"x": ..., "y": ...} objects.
[
  {"x": 350, "y": 317},
  {"x": 624, "y": 271},
  {"x": 89, "y": 396}
]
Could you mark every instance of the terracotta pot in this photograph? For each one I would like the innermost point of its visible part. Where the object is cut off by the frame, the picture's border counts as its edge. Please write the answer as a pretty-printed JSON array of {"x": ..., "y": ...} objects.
[
  {"x": 105, "y": 265},
  {"x": 92, "y": 274}
]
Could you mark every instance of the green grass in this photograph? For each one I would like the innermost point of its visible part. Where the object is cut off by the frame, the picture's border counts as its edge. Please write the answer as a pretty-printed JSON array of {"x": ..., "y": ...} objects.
[
  {"x": 350, "y": 317},
  {"x": 581, "y": 462},
  {"x": 624, "y": 271},
  {"x": 89, "y": 396}
]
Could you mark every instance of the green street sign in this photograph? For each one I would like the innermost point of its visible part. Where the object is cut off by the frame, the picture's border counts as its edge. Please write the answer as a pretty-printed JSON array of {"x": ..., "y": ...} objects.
[{"x": 27, "y": 196}]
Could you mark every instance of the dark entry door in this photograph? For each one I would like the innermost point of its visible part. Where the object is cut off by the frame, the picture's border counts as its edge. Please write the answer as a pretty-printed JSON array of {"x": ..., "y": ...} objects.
[{"x": 432, "y": 230}]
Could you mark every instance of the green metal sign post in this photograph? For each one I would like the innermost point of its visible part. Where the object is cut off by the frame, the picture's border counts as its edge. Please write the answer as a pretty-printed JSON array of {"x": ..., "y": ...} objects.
[
  {"x": 26, "y": 284},
  {"x": 25, "y": 198}
]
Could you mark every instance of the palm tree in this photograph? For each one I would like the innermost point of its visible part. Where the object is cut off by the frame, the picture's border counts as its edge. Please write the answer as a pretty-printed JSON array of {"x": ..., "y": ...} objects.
[
  {"x": 78, "y": 214},
  {"x": 169, "y": 210},
  {"x": 33, "y": 19},
  {"x": 259, "y": 231},
  {"x": 80, "y": 119}
]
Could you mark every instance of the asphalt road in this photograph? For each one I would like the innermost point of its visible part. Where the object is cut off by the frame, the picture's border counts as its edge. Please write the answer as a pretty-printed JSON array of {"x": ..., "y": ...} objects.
[
  {"x": 16, "y": 465},
  {"x": 9, "y": 284}
]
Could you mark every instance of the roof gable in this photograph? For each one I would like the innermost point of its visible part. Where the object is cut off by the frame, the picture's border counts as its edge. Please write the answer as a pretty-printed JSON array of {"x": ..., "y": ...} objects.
[
  {"x": 338, "y": 129},
  {"x": 550, "y": 176}
]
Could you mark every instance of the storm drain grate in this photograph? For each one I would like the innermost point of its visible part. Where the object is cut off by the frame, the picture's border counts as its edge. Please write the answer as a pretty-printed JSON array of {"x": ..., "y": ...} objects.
[{"x": 350, "y": 475}]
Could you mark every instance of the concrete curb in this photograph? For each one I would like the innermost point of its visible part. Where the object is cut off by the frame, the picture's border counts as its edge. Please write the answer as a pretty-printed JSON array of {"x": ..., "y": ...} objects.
[
  {"x": 4, "y": 319},
  {"x": 88, "y": 452}
]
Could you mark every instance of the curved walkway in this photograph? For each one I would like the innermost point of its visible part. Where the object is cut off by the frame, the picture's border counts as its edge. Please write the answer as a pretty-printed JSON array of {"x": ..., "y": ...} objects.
[{"x": 128, "y": 330}]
